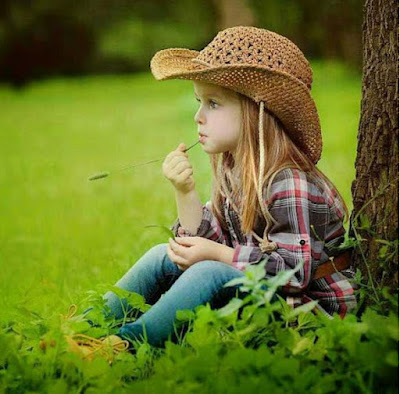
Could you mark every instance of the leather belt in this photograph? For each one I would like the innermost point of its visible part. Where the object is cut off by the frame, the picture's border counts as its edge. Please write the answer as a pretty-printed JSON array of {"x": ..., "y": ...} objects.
[{"x": 341, "y": 262}]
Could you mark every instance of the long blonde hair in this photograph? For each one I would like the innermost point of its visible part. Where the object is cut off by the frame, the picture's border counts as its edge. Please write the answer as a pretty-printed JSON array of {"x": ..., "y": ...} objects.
[{"x": 236, "y": 176}]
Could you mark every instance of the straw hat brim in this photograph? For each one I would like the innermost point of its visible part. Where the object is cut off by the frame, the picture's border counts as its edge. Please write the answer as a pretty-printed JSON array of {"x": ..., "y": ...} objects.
[{"x": 284, "y": 95}]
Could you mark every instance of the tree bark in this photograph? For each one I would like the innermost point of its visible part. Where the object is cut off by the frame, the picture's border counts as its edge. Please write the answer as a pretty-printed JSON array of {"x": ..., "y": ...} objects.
[
  {"x": 375, "y": 188},
  {"x": 233, "y": 13}
]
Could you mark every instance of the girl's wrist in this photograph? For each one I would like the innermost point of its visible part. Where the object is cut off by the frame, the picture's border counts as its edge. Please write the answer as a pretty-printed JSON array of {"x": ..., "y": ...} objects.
[
  {"x": 224, "y": 254},
  {"x": 184, "y": 193}
]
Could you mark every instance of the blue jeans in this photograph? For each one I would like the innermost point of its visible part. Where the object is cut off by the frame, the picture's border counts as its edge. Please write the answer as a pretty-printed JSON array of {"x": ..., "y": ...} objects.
[{"x": 154, "y": 274}]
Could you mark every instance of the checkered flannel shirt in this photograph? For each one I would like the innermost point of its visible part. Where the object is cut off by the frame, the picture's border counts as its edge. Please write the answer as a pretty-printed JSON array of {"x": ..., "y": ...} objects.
[{"x": 309, "y": 228}]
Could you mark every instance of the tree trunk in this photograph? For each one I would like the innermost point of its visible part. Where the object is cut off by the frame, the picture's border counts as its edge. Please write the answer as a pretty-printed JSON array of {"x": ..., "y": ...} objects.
[
  {"x": 233, "y": 13},
  {"x": 375, "y": 189}
]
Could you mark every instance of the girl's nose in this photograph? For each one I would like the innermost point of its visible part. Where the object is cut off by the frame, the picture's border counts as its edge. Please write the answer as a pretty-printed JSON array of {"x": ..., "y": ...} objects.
[{"x": 198, "y": 117}]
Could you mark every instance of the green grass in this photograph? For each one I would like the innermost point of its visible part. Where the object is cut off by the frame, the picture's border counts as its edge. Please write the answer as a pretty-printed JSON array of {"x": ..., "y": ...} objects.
[{"x": 62, "y": 235}]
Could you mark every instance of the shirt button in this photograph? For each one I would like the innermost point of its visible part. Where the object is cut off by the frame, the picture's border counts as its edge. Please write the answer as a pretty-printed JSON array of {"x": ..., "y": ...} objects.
[{"x": 302, "y": 242}]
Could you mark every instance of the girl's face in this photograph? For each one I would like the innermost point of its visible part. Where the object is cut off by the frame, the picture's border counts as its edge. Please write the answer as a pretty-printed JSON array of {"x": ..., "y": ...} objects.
[{"x": 218, "y": 117}]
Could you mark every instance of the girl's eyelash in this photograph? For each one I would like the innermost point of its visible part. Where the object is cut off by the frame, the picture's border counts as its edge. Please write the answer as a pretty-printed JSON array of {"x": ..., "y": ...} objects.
[{"x": 210, "y": 101}]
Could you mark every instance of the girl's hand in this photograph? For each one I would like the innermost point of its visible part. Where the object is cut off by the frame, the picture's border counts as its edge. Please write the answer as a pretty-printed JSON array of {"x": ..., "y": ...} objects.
[
  {"x": 177, "y": 169},
  {"x": 186, "y": 251}
]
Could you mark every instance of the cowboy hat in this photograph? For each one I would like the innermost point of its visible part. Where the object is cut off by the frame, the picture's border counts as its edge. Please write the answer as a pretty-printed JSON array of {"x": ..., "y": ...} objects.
[{"x": 260, "y": 64}]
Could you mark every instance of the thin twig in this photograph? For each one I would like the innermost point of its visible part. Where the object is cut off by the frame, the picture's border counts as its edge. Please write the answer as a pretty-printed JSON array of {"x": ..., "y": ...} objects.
[{"x": 106, "y": 174}]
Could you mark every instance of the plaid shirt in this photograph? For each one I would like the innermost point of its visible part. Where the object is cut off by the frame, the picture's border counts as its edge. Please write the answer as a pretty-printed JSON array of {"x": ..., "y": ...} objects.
[{"x": 309, "y": 228}]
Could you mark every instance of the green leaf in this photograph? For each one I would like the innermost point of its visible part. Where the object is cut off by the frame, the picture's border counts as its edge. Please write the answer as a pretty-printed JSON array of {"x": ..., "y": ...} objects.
[
  {"x": 136, "y": 300},
  {"x": 142, "y": 354},
  {"x": 305, "y": 308},
  {"x": 383, "y": 241},
  {"x": 249, "y": 329},
  {"x": 237, "y": 281},
  {"x": 118, "y": 291},
  {"x": 288, "y": 338},
  {"x": 349, "y": 243},
  {"x": 365, "y": 222},
  {"x": 392, "y": 358},
  {"x": 381, "y": 326},
  {"x": 307, "y": 320},
  {"x": 185, "y": 315},
  {"x": 303, "y": 344},
  {"x": 257, "y": 270},
  {"x": 233, "y": 306},
  {"x": 383, "y": 251},
  {"x": 165, "y": 229},
  {"x": 283, "y": 277},
  {"x": 261, "y": 317},
  {"x": 96, "y": 368}
]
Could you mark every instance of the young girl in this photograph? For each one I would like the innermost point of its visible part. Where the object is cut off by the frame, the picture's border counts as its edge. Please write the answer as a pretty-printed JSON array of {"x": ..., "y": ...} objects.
[{"x": 259, "y": 125}]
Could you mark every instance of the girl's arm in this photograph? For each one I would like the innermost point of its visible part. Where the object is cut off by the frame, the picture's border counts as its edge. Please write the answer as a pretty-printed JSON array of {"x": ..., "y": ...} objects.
[
  {"x": 193, "y": 218},
  {"x": 209, "y": 227},
  {"x": 190, "y": 210}
]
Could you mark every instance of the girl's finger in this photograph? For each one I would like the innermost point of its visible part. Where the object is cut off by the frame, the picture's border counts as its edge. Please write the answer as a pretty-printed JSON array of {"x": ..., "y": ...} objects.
[
  {"x": 176, "y": 168},
  {"x": 172, "y": 156},
  {"x": 179, "y": 165},
  {"x": 182, "y": 166},
  {"x": 189, "y": 241},
  {"x": 179, "y": 250},
  {"x": 177, "y": 259},
  {"x": 168, "y": 158},
  {"x": 170, "y": 162},
  {"x": 172, "y": 255},
  {"x": 183, "y": 175},
  {"x": 169, "y": 253},
  {"x": 176, "y": 248}
]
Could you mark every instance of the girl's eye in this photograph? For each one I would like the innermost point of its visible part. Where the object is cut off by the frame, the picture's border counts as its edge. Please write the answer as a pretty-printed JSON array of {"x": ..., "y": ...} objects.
[{"x": 212, "y": 103}]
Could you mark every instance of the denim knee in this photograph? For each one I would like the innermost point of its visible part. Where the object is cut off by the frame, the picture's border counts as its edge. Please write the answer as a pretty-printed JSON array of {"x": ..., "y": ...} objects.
[
  {"x": 212, "y": 269},
  {"x": 222, "y": 273},
  {"x": 154, "y": 255},
  {"x": 159, "y": 250},
  {"x": 207, "y": 267}
]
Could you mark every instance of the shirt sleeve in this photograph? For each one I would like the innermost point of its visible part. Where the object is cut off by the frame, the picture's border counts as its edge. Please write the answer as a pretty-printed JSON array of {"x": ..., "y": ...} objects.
[
  {"x": 209, "y": 227},
  {"x": 294, "y": 203}
]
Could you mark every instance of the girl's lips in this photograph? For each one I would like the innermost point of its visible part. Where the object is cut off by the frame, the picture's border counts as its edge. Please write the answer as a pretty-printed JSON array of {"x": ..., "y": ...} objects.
[{"x": 202, "y": 138}]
